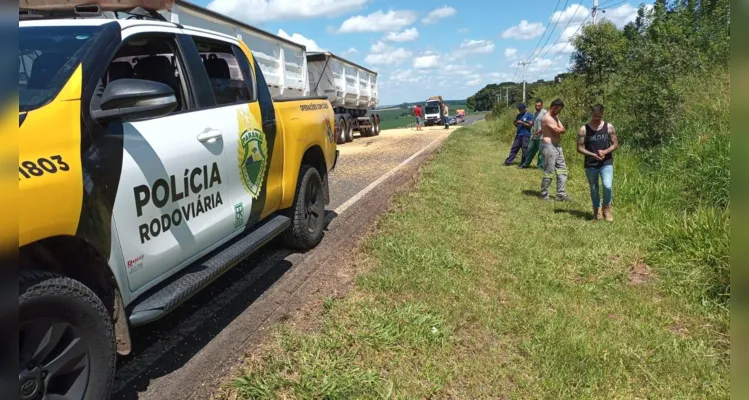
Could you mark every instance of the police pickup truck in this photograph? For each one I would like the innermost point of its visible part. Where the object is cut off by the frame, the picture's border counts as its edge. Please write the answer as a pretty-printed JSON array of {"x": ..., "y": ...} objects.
[{"x": 152, "y": 159}]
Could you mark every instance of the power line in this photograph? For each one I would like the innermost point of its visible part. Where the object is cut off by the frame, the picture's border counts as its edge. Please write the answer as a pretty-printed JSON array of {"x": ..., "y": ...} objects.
[
  {"x": 565, "y": 28},
  {"x": 545, "y": 30},
  {"x": 614, "y": 5},
  {"x": 564, "y": 8},
  {"x": 575, "y": 33}
]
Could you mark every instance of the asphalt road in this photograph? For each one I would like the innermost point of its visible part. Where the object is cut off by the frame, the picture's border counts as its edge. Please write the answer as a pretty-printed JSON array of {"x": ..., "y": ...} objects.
[{"x": 186, "y": 354}]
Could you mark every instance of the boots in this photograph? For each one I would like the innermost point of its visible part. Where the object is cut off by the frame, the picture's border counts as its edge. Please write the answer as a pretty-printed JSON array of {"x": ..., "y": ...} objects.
[
  {"x": 596, "y": 214},
  {"x": 607, "y": 214}
]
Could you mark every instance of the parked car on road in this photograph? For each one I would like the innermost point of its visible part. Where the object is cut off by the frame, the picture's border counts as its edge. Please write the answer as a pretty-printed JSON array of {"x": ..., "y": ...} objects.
[{"x": 152, "y": 159}]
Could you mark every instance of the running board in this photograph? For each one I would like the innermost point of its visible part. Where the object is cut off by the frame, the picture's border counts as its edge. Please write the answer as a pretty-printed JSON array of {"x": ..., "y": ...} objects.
[{"x": 168, "y": 295}]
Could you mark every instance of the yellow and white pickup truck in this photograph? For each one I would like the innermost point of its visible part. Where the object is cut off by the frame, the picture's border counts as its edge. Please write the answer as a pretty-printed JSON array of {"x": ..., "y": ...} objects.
[{"x": 152, "y": 159}]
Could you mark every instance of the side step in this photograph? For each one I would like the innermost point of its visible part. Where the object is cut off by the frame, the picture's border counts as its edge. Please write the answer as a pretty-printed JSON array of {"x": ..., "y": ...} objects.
[{"x": 165, "y": 297}]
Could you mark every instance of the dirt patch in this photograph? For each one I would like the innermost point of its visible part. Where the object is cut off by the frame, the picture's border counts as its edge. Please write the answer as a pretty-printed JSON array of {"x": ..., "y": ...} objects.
[
  {"x": 679, "y": 330},
  {"x": 639, "y": 273}
]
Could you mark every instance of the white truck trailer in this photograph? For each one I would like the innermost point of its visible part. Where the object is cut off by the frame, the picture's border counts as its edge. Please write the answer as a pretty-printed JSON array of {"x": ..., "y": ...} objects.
[
  {"x": 351, "y": 89},
  {"x": 290, "y": 71}
]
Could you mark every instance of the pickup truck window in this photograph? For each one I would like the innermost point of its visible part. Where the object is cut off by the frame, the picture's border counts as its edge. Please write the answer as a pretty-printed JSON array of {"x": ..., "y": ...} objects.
[
  {"x": 47, "y": 57},
  {"x": 230, "y": 77},
  {"x": 151, "y": 57}
]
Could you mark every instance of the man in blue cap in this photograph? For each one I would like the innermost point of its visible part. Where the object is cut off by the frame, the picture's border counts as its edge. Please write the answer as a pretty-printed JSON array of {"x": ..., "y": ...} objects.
[{"x": 523, "y": 122}]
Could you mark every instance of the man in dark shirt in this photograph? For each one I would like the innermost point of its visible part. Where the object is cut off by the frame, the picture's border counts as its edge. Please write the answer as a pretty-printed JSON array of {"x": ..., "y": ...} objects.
[
  {"x": 596, "y": 141},
  {"x": 523, "y": 122},
  {"x": 419, "y": 115}
]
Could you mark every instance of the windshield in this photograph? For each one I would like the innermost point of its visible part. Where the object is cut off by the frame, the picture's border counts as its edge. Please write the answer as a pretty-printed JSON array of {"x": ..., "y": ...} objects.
[
  {"x": 47, "y": 56},
  {"x": 432, "y": 109}
]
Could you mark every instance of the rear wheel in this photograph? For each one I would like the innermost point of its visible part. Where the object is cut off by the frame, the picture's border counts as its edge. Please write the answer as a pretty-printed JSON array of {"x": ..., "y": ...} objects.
[
  {"x": 340, "y": 131},
  {"x": 373, "y": 125},
  {"x": 307, "y": 212},
  {"x": 377, "y": 124},
  {"x": 66, "y": 340},
  {"x": 349, "y": 128}
]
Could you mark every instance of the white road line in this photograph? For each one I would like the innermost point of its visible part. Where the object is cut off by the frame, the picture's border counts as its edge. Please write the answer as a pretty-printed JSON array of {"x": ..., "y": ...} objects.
[{"x": 381, "y": 179}]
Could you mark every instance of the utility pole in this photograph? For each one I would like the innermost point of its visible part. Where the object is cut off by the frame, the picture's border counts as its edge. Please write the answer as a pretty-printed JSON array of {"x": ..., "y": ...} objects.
[
  {"x": 507, "y": 96},
  {"x": 524, "y": 63},
  {"x": 595, "y": 12}
]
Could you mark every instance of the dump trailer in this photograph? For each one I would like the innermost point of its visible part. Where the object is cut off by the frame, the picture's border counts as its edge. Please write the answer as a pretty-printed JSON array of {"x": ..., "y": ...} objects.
[
  {"x": 351, "y": 89},
  {"x": 283, "y": 62}
]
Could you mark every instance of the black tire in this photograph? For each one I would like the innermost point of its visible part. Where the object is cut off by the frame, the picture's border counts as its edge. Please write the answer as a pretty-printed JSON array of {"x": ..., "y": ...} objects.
[
  {"x": 340, "y": 131},
  {"x": 377, "y": 124},
  {"x": 373, "y": 123},
  {"x": 308, "y": 211},
  {"x": 349, "y": 128},
  {"x": 66, "y": 339}
]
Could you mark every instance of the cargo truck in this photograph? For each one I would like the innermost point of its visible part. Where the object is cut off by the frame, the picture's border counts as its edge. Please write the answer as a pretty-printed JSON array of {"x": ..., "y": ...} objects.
[
  {"x": 292, "y": 71},
  {"x": 433, "y": 111},
  {"x": 351, "y": 89}
]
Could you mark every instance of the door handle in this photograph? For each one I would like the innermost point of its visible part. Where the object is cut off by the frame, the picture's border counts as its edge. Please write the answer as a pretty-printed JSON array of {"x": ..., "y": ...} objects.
[{"x": 209, "y": 135}]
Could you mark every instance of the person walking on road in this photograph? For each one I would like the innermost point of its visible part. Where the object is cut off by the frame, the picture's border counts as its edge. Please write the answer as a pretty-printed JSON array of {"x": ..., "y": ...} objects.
[
  {"x": 444, "y": 115},
  {"x": 523, "y": 122},
  {"x": 535, "y": 138},
  {"x": 419, "y": 115},
  {"x": 597, "y": 141},
  {"x": 552, "y": 131}
]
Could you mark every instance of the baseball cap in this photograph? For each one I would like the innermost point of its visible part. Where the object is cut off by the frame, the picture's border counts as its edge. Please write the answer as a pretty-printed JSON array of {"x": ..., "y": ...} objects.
[{"x": 521, "y": 105}]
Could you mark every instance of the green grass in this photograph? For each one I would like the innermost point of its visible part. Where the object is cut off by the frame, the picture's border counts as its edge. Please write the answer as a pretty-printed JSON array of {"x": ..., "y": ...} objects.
[{"x": 476, "y": 290}]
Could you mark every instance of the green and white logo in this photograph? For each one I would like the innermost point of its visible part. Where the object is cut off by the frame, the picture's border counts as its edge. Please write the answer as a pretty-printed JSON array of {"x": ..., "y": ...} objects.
[
  {"x": 252, "y": 154},
  {"x": 238, "y": 215}
]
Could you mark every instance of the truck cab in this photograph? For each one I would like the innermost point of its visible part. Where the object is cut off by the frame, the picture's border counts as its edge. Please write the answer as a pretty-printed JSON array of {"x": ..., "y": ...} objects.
[
  {"x": 152, "y": 159},
  {"x": 433, "y": 111}
]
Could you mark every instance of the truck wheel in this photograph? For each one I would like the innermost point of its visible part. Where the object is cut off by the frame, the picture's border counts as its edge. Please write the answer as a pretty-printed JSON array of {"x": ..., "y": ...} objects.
[
  {"x": 373, "y": 123},
  {"x": 307, "y": 212},
  {"x": 340, "y": 131},
  {"x": 377, "y": 124},
  {"x": 66, "y": 339},
  {"x": 350, "y": 128}
]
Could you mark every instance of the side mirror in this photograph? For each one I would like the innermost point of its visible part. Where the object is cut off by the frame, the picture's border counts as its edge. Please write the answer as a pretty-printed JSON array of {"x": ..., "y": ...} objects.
[{"x": 134, "y": 99}]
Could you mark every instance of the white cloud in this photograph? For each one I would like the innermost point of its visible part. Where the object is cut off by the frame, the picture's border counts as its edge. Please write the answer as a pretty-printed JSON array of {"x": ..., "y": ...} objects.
[
  {"x": 476, "y": 47},
  {"x": 463, "y": 30},
  {"x": 378, "y": 21},
  {"x": 298, "y": 38},
  {"x": 622, "y": 15},
  {"x": 440, "y": 13},
  {"x": 575, "y": 13},
  {"x": 524, "y": 31},
  {"x": 351, "y": 50},
  {"x": 426, "y": 61},
  {"x": 408, "y": 35},
  {"x": 382, "y": 54},
  {"x": 397, "y": 56},
  {"x": 405, "y": 76},
  {"x": 258, "y": 11},
  {"x": 500, "y": 76},
  {"x": 378, "y": 47},
  {"x": 511, "y": 53}
]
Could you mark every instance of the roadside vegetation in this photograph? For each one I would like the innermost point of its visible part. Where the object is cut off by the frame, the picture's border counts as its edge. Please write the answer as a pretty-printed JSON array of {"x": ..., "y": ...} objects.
[{"x": 476, "y": 289}]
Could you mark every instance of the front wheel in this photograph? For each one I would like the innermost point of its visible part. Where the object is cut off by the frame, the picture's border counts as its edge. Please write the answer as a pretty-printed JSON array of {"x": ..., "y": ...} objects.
[
  {"x": 66, "y": 340},
  {"x": 307, "y": 212}
]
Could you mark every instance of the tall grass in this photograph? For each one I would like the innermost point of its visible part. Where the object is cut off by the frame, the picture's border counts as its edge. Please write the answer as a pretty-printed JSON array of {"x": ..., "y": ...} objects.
[{"x": 679, "y": 190}]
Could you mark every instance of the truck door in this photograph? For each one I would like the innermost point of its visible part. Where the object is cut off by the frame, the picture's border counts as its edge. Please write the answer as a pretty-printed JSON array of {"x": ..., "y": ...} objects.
[
  {"x": 252, "y": 153},
  {"x": 172, "y": 203}
]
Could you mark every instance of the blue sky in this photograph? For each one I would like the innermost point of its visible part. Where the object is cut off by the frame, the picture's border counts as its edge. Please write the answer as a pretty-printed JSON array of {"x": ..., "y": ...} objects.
[{"x": 423, "y": 48}]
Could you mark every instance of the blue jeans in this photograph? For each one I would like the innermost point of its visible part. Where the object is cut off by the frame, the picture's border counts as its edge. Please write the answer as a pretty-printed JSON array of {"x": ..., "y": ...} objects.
[{"x": 607, "y": 177}]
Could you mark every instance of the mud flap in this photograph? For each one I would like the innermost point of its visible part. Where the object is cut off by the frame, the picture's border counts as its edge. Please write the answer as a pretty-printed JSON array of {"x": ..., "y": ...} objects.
[{"x": 326, "y": 187}]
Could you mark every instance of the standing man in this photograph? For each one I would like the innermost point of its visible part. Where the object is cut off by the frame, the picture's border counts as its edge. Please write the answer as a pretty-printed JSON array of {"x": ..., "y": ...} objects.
[
  {"x": 535, "y": 138},
  {"x": 419, "y": 115},
  {"x": 523, "y": 122},
  {"x": 444, "y": 115},
  {"x": 596, "y": 141},
  {"x": 552, "y": 131}
]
